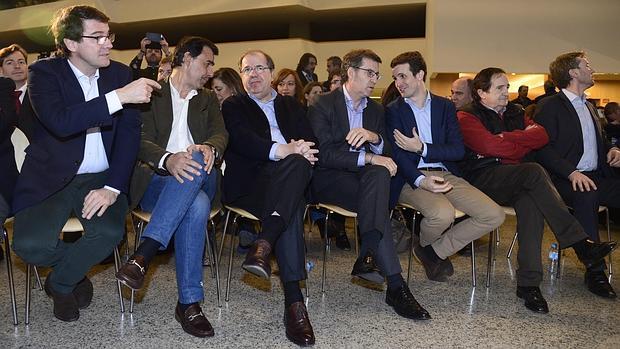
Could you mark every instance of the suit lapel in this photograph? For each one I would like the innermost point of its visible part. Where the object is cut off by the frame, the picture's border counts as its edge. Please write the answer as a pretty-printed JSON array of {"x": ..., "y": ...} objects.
[
  {"x": 163, "y": 112},
  {"x": 341, "y": 109},
  {"x": 436, "y": 123},
  {"x": 195, "y": 115}
]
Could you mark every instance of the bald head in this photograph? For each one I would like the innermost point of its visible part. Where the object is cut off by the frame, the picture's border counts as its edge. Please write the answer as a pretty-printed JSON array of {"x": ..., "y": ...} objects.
[{"x": 461, "y": 92}]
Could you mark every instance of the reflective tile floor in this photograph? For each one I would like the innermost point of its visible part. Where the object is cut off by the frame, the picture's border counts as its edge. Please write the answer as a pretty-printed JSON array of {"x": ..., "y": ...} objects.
[{"x": 348, "y": 315}]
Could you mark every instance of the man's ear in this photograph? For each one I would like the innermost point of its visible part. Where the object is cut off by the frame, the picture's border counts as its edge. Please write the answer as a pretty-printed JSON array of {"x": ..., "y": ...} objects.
[{"x": 71, "y": 45}]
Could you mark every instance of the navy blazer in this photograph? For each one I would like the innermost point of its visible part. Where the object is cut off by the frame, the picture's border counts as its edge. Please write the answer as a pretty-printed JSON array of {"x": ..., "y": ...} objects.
[
  {"x": 8, "y": 121},
  {"x": 249, "y": 141},
  {"x": 447, "y": 146},
  {"x": 58, "y": 136}
]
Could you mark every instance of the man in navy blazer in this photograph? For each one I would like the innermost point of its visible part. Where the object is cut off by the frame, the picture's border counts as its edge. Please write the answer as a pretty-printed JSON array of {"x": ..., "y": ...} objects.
[
  {"x": 81, "y": 154},
  {"x": 579, "y": 159},
  {"x": 427, "y": 142}
]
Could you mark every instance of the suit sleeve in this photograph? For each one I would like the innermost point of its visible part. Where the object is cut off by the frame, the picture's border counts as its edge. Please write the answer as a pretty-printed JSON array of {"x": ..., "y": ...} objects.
[
  {"x": 406, "y": 161},
  {"x": 332, "y": 152},
  {"x": 45, "y": 87},
  {"x": 150, "y": 152},
  {"x": 242, "y": 139},
  {"x": 218, "y": 136},
  {"x": 548, "y": 156}
]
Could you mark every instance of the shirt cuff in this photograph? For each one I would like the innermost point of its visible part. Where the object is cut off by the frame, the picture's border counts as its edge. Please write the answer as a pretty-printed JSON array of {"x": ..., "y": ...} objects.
[
  {"x": 272, "y": 152},
  {"x": 162, "y": 161},
  {"x": 114, "y": 190},
  {"x": 114, "y": 104},
  {"x": 377, "y": 149},
  {"x": 361, "y": 159},
  {"x": 425, "y": 151},
  {"x": 418, "y": 180}
]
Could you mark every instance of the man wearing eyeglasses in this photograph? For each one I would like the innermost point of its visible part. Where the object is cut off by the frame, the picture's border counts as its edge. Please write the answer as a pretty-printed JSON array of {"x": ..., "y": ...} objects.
[
  {"x": 182, "y": 135},
  {"x": 354, "y": 172},
  {"x": 268, "y": 168},
  {"x": 79, "y": 162}
]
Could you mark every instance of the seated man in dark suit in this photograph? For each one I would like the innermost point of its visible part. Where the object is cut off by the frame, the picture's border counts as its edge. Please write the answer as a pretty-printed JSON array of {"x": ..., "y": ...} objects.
[
  {"x": 8, "y": 175},
  {"x": 182, "y": 134},
  {"x": 80, "y": 158},
  {"x": 268, "y": 168},
  {"x": 498, "y": 138},
  {"x": 578, "y": 157},
  {"x": 427, "y": 142},
  {"x": 354, "y": 173}
]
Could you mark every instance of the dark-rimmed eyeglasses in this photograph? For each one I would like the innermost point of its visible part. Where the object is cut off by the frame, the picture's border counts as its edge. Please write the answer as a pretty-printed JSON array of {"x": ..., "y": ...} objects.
[
  {"x": 371, "y": 73},
  {"x": 259, "y": 69},
  {"x": 101, "y": 38}
]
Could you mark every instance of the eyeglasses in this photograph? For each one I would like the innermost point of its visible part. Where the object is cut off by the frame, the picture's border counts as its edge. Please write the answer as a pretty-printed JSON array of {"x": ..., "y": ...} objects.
[
  {"x": 371, "y": 73},
  {"x": 259, "y": 69},
  {"x": 101, "y": 38}
]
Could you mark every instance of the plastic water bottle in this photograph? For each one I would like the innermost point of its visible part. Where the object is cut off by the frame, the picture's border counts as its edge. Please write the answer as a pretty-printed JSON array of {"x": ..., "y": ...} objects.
[
  {"x": 309, "y": 266},
  {"x": 553, "y": 257}
]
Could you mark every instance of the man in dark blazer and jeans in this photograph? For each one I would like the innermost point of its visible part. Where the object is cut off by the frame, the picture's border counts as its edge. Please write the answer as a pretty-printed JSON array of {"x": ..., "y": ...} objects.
[
  {"x": 80, "y": 157},
  {"x": 578, "y": 157},
  {"x": 269, "y": 161},
  {"x": 354, "y": 173}
]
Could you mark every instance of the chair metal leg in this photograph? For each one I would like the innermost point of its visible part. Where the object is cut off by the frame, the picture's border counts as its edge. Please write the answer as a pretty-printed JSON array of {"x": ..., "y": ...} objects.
[
  {"x": 219, "y": 254},
  {"x": 214, "y": 263},
  {"x": 325, "y": 247},
  {"x": 413, "y": 222},
  {"x": 497, "y": 237},
  {"x": 36, "y": 274},
  {"x": 557, "y": 274},
  {"x": 608, "y": 237},
  {"x": 9, "y": 271},
  {"x": 490, "y": 258},
  {"x": 496, "y": 244},
  {"x": 117, "y": 262},
  {"x": 357, "y": 241},
  {"x": 138, "y": 235},
  {"x": 512, "y": 244},
  {"x": 28, "y": 293},
  {"x": 230, "y": 258},
  {"x": 473, "y": 265},
  {"x": 305, "y": 264}
]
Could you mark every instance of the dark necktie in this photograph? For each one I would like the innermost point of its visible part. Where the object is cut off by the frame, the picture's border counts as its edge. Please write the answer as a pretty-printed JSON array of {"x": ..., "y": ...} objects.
[{"x": 18, "y": 104}]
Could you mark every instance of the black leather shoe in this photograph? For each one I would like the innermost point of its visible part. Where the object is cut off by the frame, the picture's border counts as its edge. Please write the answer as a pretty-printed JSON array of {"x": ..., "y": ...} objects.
[
  {"x": 435, "y": 270},
  {"x": 599, "y": 285},
  {"x": 447, "y": 267},
  {"x": 83, "y": 291},
  {"x": 534, "y": 299},
  {"x": 405, "y": 304},
  {"x": 594, "y": 252},
  {"x": 342, "y": 242},
  {"x": 297, "y": 324},
  {"x": 257, "y": 260},
  {"x": 366, "y": 268},
  {"x": 194, "y": 321},
  {"x": 65, "y": 305},
  {"x": 132, "y": 272}
]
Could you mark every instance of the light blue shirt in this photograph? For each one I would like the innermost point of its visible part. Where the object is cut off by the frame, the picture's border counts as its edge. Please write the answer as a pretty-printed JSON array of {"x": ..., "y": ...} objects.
[
  {"x": 589, "y": 158},
  {"x": 270, "y": 113},
  {"x": 356, "y": 121},
  {"x": 424, "y": 130}
]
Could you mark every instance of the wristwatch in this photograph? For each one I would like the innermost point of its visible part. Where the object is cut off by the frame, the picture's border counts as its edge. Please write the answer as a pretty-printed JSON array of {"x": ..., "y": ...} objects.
[{"x": 421, "y": 150}]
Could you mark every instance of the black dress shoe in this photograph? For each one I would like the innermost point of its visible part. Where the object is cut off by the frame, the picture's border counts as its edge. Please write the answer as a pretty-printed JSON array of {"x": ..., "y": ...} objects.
[
  {"x": 298, "y": 327},
  {"x": 342, "y": 242},
  {"x": 132, "y": 272},
  {"x": 194, "y": 321},
  {"x": 534, "y": 299},
  {"x": 366, "y": 268},
  {"x": 599, "y": 285},
  {"x": 447, "y": 266},
  {"x": 594, "y": 252},
  {"x": 436, "y": 270},
  {"x": 65, "y": 305},
  {"x": 257, "y": 260},
  {"x": 83, "y": 291},
  {"x": 405, "y": 304}
]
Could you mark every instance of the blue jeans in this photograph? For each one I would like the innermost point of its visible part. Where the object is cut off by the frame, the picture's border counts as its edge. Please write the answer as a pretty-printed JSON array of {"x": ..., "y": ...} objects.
[{"x": 182, "y": 210}]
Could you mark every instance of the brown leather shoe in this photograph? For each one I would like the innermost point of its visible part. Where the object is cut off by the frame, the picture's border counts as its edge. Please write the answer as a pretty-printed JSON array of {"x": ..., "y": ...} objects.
[
  {"x": 132, "y": 272},
  {"x": 298, "y": 327},
  {"x": 194, "y": 321},
  {"x": 257, "y": 259}
]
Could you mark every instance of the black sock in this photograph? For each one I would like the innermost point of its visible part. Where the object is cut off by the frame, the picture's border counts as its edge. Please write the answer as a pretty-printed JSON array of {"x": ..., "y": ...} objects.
[
  {"x": 147, "y": 249},
  {"x": 394, "y": 282},
  {"x": 430, "y": 252},
  {"x": 370, "y": 241},
  {"x": 184, "y": 306},
  {"x": 580, "y": 247},
  {"x": 292, "y": 293}
]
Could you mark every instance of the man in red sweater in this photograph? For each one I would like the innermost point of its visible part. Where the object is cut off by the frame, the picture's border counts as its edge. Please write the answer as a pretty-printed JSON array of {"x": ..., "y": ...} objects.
[{"x": 498, "y": 143}]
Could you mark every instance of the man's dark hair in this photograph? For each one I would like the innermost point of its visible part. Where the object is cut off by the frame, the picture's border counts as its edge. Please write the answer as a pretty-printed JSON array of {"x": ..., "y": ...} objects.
[
  {"x": 611, "y": 108},
  {"x": 354, "y": 59},
  {"x": 331, "y": 75},
  {"x": 414, "y": 59},
  {"x": 270, "y": 63},
  {"x": 335, "y": 60},
  {"x": 9, "y": 50},
  {"x": 522, "y": 87},
  {"x": 194, "y": 45},
  {"x": 559, "y": 68},
  {"x": 482, "y": 81},
  {"x": 304, "y": 60},
  {"x": 549, "y": 87},
  {"x": 68, "y": 23}
]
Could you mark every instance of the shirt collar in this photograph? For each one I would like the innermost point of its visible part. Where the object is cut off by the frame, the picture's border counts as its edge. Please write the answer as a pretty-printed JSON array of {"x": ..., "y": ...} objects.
[
  {"x": 427, "y": 100},
  {"x": 175, "y": 92},
  {"x": 271, "y": 99},
  {"x": 23, "y": 89},
  {"x": 572, "y": 97},
  {"x": 78, "y": 74},
  {"x": 349, "y": 101}
]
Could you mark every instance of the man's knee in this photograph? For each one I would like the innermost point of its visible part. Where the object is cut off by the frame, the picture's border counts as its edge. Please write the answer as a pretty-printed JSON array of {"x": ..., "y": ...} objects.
[
  {"x": 297, "y": 161},
  {"x": 32, "y": 251},
  {"x": 439, "y": 215},
  {"x": 492, "y": 216},
  {"x": 378, "y": 174},
  {"x": 201, "y": 204}
]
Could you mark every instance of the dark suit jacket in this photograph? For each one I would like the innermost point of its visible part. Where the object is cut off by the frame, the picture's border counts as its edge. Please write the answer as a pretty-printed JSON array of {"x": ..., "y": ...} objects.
[
  {"x": 303, "y": 79},
  {"x": 250, "y": 139},
  {"x": 26, "y": 119},
  {"x": 8, "y": 121},
  {"x": 565, "y": 148},
  {"x": 205, "y": 125},
  {"x": 56, "y": 148},
  {"x": 447, "y": 146}
]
